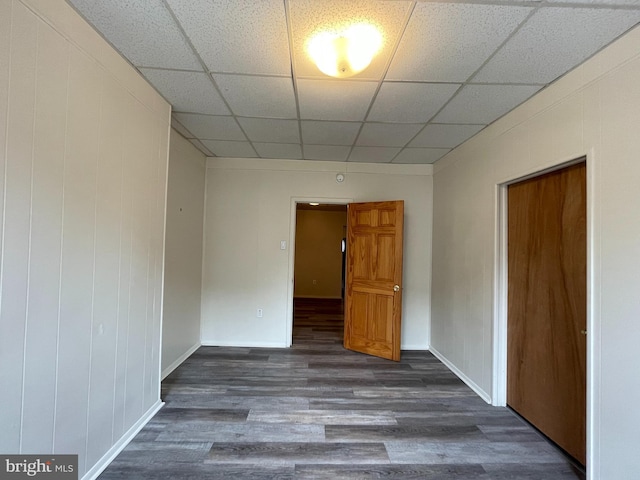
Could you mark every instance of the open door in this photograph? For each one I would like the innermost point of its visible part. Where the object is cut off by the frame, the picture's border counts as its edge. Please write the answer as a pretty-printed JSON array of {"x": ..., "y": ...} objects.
[{"x": 373, "y": 304}]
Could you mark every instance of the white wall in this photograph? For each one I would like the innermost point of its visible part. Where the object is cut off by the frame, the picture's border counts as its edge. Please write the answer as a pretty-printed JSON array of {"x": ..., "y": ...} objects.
[
  {"x": 183, "y": 253},
  {"x": 249, "y": 211},
  {"x": 83, "y": 154},
  {"x": 594, "y": 110}
]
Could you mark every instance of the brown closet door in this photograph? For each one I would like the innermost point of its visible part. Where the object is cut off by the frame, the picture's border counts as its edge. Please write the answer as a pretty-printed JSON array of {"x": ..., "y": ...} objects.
[{"x": 547, "y": 299}]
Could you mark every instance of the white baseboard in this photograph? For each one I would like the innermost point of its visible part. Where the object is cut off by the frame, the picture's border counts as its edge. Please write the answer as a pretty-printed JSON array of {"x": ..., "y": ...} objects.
[
  {"x": 179, "y": 361},
  {"x": 113, "y": 452},
  {"x": 470, "y": 383},
  {"x": 421, "y": 347},
  {"x": 211, "y": 343}
]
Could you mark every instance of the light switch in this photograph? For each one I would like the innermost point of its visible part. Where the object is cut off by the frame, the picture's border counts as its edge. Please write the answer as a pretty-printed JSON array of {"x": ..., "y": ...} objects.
[{"x": 283, "y": 244}]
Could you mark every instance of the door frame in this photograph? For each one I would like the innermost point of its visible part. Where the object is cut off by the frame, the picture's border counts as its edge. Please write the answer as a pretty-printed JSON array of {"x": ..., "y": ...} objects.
[
  {"x": 499, "y": 384},
  {"x": 292, "y": 251}
]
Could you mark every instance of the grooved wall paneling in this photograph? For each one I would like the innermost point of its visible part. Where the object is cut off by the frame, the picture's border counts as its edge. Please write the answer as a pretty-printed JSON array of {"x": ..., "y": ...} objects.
[
  {"x": 183, "y": 258},
  {"x": 83, "y": 154},
  {"x": 594, "y": 111}
]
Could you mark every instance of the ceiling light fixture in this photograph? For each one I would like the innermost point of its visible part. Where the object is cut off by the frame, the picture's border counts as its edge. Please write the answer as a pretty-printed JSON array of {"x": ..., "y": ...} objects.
[
  {"x": 313, "y": 204},
  {"x": 346, "y": 53}
]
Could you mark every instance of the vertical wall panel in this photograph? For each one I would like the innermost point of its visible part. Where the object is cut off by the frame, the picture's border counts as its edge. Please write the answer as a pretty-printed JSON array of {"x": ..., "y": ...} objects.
[
  {"x": 139, "y": 272},
  {"x": 152, "y": 177},
  {"x": 150, "y": 206},
  {"x": 46, "y": 236},
  {"x": 124, "y": 275},
  {"x": 183, "y": 257},
  {"x": 78, "y": 240},
  {"x": 157, "y": 214},
  {"x": 105, "y": 284},
  {"x": 619, "y": 248},
  {"x": 160, "y": 216},
  {"x": 82, "y": 149},
  {"x": 5, "y": 56},
  {"x": 17, "y": 206}
]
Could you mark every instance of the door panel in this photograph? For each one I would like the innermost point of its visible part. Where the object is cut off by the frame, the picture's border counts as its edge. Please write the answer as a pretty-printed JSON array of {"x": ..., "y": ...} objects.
[
  {"x": 547, "y": 305},
  {"x": 374, "y": 266},
  {"x": 359, "y": 308},
  {"x": 382, "y": 329},
  {"x": 385, "y": 258},
  {"x": 361, "y": 247}
]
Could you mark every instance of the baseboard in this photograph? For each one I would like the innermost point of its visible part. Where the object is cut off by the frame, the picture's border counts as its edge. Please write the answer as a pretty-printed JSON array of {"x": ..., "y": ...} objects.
[
  {"x": 178, "y": 362},
  {"x": 113, "y": 452},
  {"x": 470, "y": 383},
  {"x": 208, "y": 343},
  {"x": 211, "y": 343},
  {"x": 420, "y": 347}
]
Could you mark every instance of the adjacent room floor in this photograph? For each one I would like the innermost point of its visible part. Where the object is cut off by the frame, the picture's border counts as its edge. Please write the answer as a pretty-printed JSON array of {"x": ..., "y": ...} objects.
[{"x": 317, "y": 411}]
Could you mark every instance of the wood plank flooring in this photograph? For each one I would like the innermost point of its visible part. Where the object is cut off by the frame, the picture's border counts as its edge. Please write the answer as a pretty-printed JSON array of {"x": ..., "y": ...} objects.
[{"x": 317, "y": 411}]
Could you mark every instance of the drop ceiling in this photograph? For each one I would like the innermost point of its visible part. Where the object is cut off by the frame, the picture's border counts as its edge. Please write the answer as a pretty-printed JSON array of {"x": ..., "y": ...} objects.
[{"x": 241, "y": 84}]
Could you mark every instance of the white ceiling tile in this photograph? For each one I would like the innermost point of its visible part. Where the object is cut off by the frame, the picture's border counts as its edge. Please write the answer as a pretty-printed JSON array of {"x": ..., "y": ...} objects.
[
  {"x": 221, "y": 148},
  {"x": 444, "y": 136},
  {"x": 553, "y": 41},
  {"x": 309, "y": 17},
  {"x": 410, "y": 102},
  {"x": 420, "y": 155},
  {"x": 373, "y": 154},
  {"x": 251, "y": 96},
  {"x": 335, "y": 100},
  {"x": 447, "y": 42},
  {"x": 142, "y": 31},
  {"x": 482, "y": 104},
  {"x": 279, "y": 150},
  {"x": 329, "y": 133},
  {"x": 326, "y": 152},
  {"x": 271, "y": 130},
  {"x": 181, "y": 129},
  {"x": 387, "y": 134},
  {"x": 237, "y": 36},
  {"x": 211, "y": 127},
  {"x": 187, "y": 91}
]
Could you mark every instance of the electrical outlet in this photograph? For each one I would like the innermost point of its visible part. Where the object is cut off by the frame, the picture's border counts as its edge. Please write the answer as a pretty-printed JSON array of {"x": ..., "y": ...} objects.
[{"x": 259, "y": 313}]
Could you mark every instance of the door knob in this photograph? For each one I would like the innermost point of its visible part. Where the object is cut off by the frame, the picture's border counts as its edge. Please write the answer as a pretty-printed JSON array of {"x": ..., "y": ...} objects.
[
  {"x": 396, "y": 288},
  {"x": 584, "y": 332}
]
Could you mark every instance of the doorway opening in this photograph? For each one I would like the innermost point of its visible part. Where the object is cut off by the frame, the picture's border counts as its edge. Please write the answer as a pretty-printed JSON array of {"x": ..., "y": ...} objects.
[{"x": 319, "y": 273}]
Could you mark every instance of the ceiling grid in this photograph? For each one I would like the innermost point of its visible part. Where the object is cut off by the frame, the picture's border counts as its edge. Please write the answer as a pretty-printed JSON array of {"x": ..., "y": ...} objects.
[{"x": 242, "y": 85}]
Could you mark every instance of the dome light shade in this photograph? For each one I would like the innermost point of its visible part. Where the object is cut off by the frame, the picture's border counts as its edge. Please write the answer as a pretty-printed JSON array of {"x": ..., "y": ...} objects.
[{"x": 346, "y": 53}]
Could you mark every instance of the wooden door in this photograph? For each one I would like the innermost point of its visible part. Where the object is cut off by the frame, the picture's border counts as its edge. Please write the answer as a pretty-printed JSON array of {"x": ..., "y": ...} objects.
[
  {"x": 373, "y": 305},
  {"x": 547, "y": 300}
]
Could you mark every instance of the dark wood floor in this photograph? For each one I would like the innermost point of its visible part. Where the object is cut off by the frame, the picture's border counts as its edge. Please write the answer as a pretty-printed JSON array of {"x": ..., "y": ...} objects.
[{"x": 317, "y": 411}]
